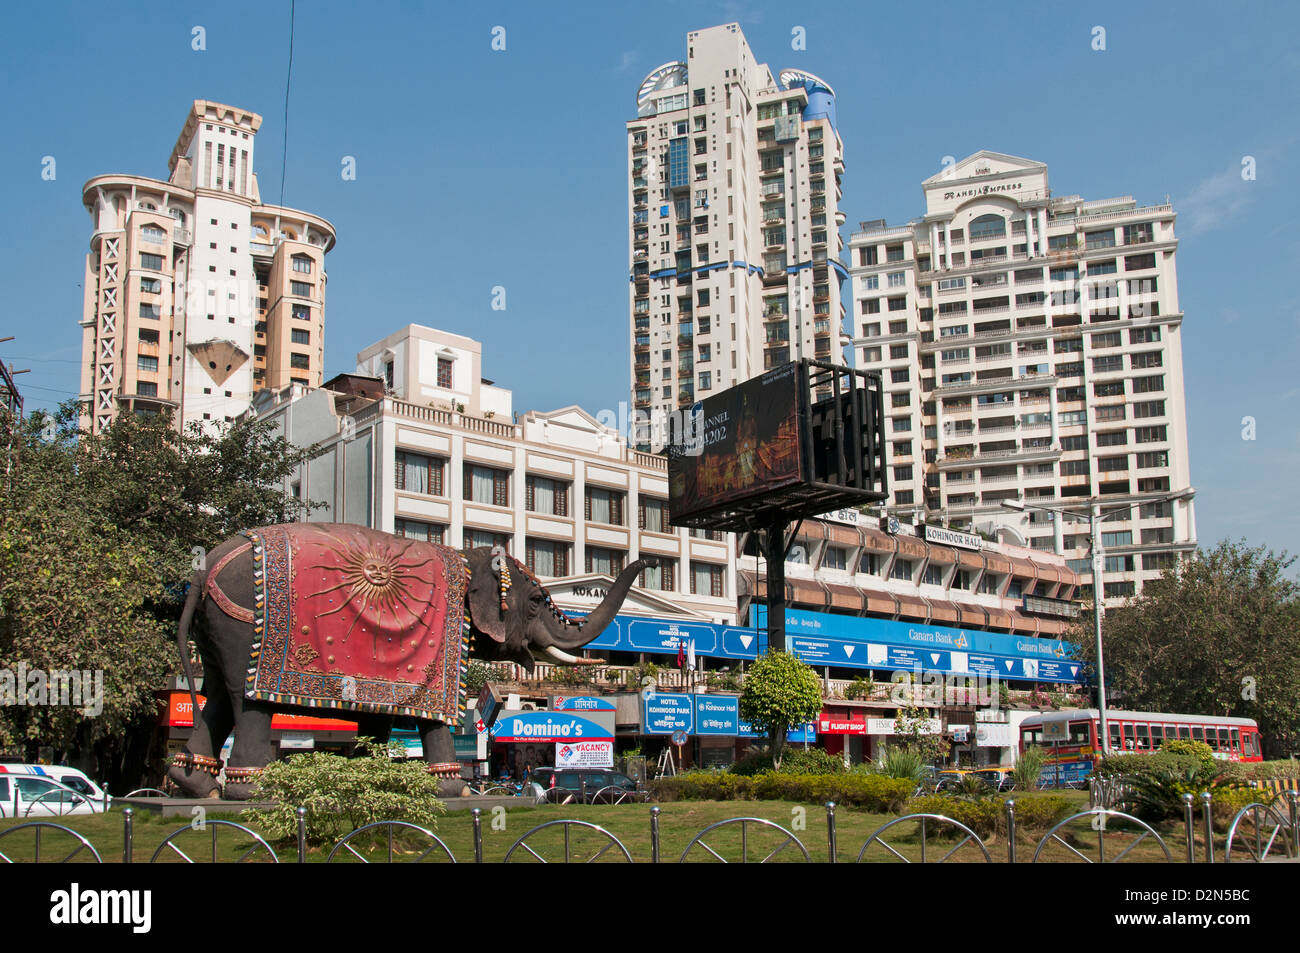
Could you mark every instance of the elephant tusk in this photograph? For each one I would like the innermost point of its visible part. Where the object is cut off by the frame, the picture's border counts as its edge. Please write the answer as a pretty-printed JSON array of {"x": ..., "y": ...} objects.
[{"x": 564, "y": 657}]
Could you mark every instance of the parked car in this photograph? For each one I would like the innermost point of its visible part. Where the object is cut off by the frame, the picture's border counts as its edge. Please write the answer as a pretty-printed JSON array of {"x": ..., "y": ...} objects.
[
  {"x": 71, "y": 778},
  {"x": 27, "y": 795},
  {"x": 571, "y": 780},
  {"x": 999, "y": 779}
]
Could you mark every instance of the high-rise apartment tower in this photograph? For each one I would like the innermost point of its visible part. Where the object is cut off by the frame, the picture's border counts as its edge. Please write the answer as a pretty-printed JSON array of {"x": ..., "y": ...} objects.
[
  {"x": 733, "y": 208},
  {"x": 197, "y": 293},
  {"x": 1031, "y": 350}
]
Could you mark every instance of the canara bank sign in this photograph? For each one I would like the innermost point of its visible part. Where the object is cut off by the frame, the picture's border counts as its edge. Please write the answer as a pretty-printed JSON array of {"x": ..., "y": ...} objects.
[{"x": 984, "y": 190}]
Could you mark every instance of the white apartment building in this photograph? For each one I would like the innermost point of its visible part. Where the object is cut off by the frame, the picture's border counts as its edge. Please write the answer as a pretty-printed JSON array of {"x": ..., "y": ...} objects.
[
  {"x": 1031, "y": 348},
  {"x": 197, "y": 293},
  {"x": 417, "y": 443},
  {"x": 733, "y": 209}
]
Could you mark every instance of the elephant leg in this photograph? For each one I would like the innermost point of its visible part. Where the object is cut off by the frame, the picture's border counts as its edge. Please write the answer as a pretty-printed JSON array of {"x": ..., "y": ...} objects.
[
  {"x": 440, "y": 752},
  {"x": 252, "y": 750},
  {"x": 370, "y": 725},
  {"x": 194, "y": 771}
]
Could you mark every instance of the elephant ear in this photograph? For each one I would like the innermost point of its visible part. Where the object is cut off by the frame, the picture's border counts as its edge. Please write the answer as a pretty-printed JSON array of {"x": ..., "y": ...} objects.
[{"x": 483, "y": 597}]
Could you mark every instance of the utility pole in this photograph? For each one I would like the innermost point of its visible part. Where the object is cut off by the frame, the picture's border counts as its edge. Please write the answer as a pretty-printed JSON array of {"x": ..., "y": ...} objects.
[{"x": 12, "y": 402}]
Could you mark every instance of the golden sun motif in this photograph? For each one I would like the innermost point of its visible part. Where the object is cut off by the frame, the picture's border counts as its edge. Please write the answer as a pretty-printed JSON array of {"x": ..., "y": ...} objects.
[{"x": 376, "y": 578}]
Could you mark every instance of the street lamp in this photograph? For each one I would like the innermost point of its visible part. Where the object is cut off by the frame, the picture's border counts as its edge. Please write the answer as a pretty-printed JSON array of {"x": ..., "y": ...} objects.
[{"x": 1095, "y": 518}]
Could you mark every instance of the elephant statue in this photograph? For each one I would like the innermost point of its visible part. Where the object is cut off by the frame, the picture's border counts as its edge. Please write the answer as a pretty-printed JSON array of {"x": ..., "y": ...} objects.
[{"x": 336, "y": 619}]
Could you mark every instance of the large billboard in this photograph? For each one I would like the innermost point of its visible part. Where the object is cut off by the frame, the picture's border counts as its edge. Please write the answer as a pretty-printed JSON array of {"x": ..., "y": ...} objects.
[{"x": 739, "y": 444}]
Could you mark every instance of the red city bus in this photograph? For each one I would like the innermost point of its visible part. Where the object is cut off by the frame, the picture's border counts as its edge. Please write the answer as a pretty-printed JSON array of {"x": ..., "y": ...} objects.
[{"x": 1072, "y": 739}]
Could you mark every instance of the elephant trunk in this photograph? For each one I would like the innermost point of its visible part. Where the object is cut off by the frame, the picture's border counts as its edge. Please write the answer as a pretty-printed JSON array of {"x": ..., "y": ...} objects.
[{"x": 570, "y": 637}]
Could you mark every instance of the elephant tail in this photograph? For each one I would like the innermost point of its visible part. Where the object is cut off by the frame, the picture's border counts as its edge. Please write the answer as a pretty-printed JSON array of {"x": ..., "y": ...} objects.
[{"x": 183, "y": 639}]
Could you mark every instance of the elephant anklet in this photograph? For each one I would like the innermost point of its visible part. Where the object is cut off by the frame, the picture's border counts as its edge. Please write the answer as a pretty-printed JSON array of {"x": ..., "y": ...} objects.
[{"x": 198, "y": 762}]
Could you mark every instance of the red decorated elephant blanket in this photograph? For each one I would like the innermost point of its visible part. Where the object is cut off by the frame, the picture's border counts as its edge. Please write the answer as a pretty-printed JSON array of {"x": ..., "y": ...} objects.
[{"x": 349, "y": 618}]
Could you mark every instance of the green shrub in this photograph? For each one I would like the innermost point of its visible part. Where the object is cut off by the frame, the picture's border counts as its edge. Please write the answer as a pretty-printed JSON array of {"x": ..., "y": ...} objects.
[
  {"x": 860, "y": 688},
  {"x": 756, "y": 759},
  {"x": 981, "y": 815},
  {"x": 902, "y": 762},
  {"x": 723, "y": 681},
  {"x": 1028, "y": 768},
  {"x": 1227, "y": 801},
  {"x": 869, "y": 792},
  {"x": 811, "y": 761},
  {"x": 477, "y": 675},
  {"x": 1129, "y": 766},
  {"x": 1035, "y": 813},
  {"x": 1158, "y": 795},
  {"x": 1267, "y": 770},
  {"x": 342, "y": 794},
  {"x": 1190, "y": 749}
]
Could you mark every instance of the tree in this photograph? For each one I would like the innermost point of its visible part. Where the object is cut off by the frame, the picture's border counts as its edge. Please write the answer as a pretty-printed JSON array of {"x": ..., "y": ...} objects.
[
  {"x": 1216, "y": 635},
  {"x": 98, "y": 536},
  {"x": 780, "y": 690},
  {"x": 910, "y": 727}
]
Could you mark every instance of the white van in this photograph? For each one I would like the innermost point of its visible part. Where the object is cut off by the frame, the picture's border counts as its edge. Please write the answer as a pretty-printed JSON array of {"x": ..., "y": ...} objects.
[{"x": 39, "y": 790}]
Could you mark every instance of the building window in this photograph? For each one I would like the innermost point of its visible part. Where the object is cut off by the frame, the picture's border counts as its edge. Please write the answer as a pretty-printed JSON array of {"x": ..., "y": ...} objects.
[
  {"x": 480, "y": 538},
  {"x": 542, "y": 495},
  {"x": 147, "y": 389},
  {"x": 150, "y": 311},
  {"x": 487, "y": 485},
  {"x": 300, "y": 289},
  {"x": 545, "y": 557},
  {"x": 301, "y": 312},
  {"x": 145, "y": 363},
  {"x": 934, "y": 575},
  {"x": 415, "y": 529},
  {"x": 300, "y": 336},
  {"x": 653, "y": 515},
  {"x": 902, "y": 569},
  {"x": 607, "y": 561},
  {"x": 604, "y": 506},
  {"x": 152, "y": 262},
  {"x": 300, "y": 361},
  {"x": 706, "y": 580},
  {"x": 417, "y": 473},
  {"x": 444, "y": 373},
  {"x": 836, "y": 557},
  {"x": 150, "y": 285},
  {"x": 658, "y": 574},
  {"x": 302, "y": 264}
]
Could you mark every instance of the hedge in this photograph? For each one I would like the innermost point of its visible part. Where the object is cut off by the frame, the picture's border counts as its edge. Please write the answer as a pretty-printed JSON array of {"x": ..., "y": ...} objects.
[
  {"x": 1035, "y": 813},
  {"x": 870, "y": 792}
]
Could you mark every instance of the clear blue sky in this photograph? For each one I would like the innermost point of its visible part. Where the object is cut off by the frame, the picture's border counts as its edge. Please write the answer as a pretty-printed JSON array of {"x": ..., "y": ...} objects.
[{"x": 478, "y": 168}]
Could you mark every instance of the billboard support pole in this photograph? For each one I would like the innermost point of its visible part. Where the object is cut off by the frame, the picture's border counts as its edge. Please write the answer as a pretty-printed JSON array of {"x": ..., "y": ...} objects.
[{"x": 775, "y": 538}]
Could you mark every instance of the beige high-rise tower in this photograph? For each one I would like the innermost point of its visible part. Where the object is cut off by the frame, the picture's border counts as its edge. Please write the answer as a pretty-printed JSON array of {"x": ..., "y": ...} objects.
[
  {"x": 1031, "y": 347},
  {"x": 196, "y": 293},
  {"x": 733, "y": 209}
]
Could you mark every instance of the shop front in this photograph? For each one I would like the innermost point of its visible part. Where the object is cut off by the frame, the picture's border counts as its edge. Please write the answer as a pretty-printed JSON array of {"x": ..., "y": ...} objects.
[
  {"x": 289, "y": 733},
  {"x": 522, "y": 741}
]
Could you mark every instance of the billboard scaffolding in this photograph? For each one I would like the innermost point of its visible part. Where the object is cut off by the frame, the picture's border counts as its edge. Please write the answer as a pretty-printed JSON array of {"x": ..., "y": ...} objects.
[{"x": 800, "y": 440}]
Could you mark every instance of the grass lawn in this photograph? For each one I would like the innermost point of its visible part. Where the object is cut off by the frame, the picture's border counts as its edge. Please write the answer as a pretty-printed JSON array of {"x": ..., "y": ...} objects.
[{"x": 679, "y": 823}]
